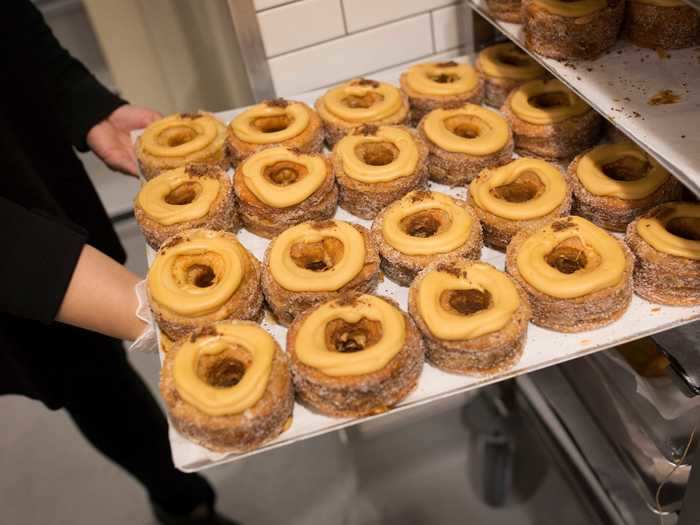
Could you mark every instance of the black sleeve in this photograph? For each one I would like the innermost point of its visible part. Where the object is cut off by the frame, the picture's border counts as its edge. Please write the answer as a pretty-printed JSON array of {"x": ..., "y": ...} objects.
[
  {"x": 36, "y": 55},
  {"x": 39, "y": 256}
]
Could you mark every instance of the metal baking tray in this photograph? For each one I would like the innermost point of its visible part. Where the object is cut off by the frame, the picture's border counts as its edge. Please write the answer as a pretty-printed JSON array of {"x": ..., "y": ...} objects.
[
  {"x": 619, "y": 85},
  {"x": 543, "y": 347}
]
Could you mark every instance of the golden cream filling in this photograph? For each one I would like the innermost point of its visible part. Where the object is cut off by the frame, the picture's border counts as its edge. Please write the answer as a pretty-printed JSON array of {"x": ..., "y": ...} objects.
[
  {"x": 155, "y": 194},
  {"x": 545, "y": 102},
  {"x": 174, "y": 279},
  {"x": 572, "y": 9},
  {"x": 548, "y": 197},
  {"x": 294, "y": 120},
  {"x": 403, "y": 165},
  {"x": 336, "y": 273},
  {"x": 471, "y": 129},
  {"x": 508, "y": 61},
  {"x": 655, "y": 230},
  {"x": 453, "y": 234},
  {"x": 311, "y": 347},
  {"x": 445, "y": 80},
  {"x": 450, "y": 325},
  {"x": 259, "y": 349},
  {"x": 309, "y": 178},
  {"x": 367, "y": 102},
  {"x": 177, "y": 136},
  {"x": 662, "y": 3},
  {"x": 605, "y": 259},
  {"x": 591, "y": 167}
]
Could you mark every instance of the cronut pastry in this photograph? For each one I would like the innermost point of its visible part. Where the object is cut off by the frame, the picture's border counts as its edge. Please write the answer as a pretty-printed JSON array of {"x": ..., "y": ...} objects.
[
  {"x": 202, "y": 276},
  {"x": 228, "y": 387},
  {"x": 279, "y": 122},
  {"x": 277, "y": 188},
  {"x": 666, "y": 245},
  {"x": 354, "y": 356},
  {"x": 192, "y": 196},
  {"x": 473, "y": 317},
  {"x": 181, "y": 139},
  {"x": 423, "y": 227},
  {"x": 314, "y": 262},
  {"x": 577, "y": 276},
  {"x": 375, "y": 166}
]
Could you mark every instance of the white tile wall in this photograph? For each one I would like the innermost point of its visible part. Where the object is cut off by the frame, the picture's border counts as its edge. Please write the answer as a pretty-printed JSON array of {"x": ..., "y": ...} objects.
[
  {"x": 281, "y": 33},
  {"x": 450, "y": 26},
  {"x": 317, "y": 43},
  {"x": 361, "y": 14},
  {"x": 352, "y": 55},
  {"x": 265, "y": 4}
]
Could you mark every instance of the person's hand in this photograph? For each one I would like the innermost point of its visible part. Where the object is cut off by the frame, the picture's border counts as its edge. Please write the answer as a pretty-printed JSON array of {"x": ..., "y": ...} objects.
[{"x": 111, "y": 140}]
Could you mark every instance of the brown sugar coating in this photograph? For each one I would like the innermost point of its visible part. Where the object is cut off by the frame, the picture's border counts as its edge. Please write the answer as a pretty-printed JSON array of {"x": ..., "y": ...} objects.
[
  {"x": 265, "y": 420},
  {"x": 402, "y": 268},
  {"x": 310, "y": 140},
  {"x": 614, "y": 213},
  {"x": 561, "y": 37},
  {"x": 484, "y": 355},
  {"x": 661, "y": 277},
  {"x": 577, "y": 314},
  {"x": 365, "y": 199},
  {"x": 222, "y": 215},
  {"x": 659, "y": 27},
  {"x": 558, "y": 140},
  {"x": 245, "y": 303},
  {"x": 286, "y": 305},
  {"x": 356, "y": 395},
  {"x": 267, "y": 221}
]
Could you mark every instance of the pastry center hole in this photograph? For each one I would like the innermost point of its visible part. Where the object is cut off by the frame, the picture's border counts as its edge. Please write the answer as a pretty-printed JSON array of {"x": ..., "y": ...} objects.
[
  {"x": 272, "y": 124},
  {"x": 467, "y": 302},
  {"x": 345, "y": 337},
  {"x": 317, "y": 256},
  {"x": 201, "y": 275},
  {"x": 465, "y": 126},
  {"x": 626, "y": 169},
  {"x": 685, "y": 227},
  {"x": 568, "y": 256},
  {"x": 284, "y": 173},
  {"x": 514, "y": 58},
  {"x": 525, "y": 187},
  {"x": 224, "y": 369},
  {"x": 367, "y": 100},
  {"x": 376, "y": 153},
  {"x": 425, "y": 223},
  {"x": 444, "y": 78},
  {"x": 184, "y": 194},
  {"x": 176, "y": 136},
  {"x": 549, "y": 100}
]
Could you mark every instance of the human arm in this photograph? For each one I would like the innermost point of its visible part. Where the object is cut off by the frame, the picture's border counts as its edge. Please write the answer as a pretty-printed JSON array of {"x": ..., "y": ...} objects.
[
  {"x": 101, "y": 297},
  {"x": 110, "y": 139},
  {"x": 31, "y": 54},
  {"x": 50, "y": 273},
  {"x": 85, "y": 111}
]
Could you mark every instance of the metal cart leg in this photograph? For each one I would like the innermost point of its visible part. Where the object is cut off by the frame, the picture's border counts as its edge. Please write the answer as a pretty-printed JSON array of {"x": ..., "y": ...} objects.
[{"x": 690, "y": 511}]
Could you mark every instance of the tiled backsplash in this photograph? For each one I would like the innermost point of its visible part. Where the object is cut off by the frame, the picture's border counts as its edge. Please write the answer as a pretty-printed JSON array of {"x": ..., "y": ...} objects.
[{"x": 318, "y": 43}]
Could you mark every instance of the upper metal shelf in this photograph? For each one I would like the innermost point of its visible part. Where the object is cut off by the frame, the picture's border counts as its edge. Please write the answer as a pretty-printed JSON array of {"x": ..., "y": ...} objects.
[{"x": 621, "y": 84}]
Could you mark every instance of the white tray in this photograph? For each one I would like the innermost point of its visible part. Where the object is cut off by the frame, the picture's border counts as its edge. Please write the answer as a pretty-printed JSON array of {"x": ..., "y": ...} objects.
[
  {"x": 543, "y": 348},
  {"x": 619, "y": 85}
]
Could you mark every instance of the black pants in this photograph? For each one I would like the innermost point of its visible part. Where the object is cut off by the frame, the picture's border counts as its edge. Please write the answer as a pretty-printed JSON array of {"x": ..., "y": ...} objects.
[{"x": 113, "y": 409}]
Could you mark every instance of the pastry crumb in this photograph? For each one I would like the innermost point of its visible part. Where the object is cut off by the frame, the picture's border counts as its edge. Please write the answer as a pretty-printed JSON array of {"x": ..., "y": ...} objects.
[{"x": 665, "y": 96}]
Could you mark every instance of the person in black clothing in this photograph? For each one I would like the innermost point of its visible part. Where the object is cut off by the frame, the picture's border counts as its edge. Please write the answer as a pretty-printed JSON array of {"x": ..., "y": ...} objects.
[{"x": 61, "y": 261}]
